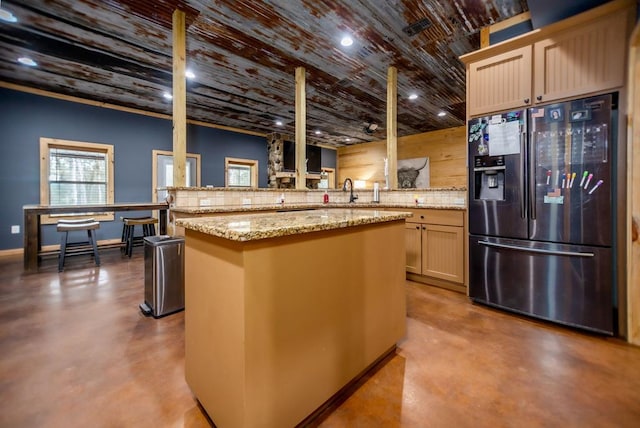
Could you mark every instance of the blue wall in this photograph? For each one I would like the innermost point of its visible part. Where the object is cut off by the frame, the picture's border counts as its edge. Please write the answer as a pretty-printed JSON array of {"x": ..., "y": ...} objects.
[{"x": 24, "y": 118}]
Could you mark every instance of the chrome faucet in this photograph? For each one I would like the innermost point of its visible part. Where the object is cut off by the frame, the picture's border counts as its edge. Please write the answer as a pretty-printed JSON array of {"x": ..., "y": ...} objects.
[{"x": 352, "y": 197}]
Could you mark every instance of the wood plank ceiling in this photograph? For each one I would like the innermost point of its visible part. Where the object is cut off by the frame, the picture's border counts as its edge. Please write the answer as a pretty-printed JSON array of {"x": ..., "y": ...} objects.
[{"x": 244, "y": 53}]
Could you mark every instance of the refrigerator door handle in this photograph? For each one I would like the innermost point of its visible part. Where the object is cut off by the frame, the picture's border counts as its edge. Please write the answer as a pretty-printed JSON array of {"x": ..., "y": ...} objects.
[
  {"x": 535, "y": 250},
  {"x": 523, "y": 188},
  {"x": 490, "y": 168},
  {"x": 532, "y": 179}
]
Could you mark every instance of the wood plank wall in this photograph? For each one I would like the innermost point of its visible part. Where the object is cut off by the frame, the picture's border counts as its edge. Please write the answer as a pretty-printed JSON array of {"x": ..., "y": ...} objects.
[{"x": 446, "y": 150}]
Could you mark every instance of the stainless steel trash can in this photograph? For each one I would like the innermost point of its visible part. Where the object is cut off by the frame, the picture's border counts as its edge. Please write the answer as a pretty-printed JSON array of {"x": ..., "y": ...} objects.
[{"x": 163, "y": 275}]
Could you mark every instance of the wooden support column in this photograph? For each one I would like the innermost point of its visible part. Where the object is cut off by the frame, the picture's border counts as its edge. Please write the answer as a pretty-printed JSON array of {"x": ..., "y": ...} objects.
[
  {"x": 179, "y": 100},
  {"x": 301, "y": 129},
  {"x": 633, "y": 192},
  {"x": 392, "y": 126}
]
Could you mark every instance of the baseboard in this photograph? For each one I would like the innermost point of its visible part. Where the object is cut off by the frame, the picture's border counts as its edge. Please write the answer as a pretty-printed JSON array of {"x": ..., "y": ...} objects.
[
  {"x": 54, "y": 248},
  {"x": 11, "y": 252},
  {"x": 322, "y": 412},
  {"x": 460, "y": 288}
]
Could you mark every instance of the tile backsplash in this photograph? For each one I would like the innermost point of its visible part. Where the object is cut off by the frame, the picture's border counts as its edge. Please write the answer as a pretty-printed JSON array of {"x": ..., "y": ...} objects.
[{"x": 204, "y": 196}]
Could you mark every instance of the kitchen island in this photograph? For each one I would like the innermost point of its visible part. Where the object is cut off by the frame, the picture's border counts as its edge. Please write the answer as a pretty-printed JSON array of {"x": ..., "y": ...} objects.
[{"x": 284, "y": 310}]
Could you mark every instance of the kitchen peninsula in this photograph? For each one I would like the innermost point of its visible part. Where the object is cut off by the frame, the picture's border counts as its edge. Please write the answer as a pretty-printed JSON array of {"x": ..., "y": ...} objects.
[
  {"x": 434, "y": 235},
  {"x": 283, "y": 310}
]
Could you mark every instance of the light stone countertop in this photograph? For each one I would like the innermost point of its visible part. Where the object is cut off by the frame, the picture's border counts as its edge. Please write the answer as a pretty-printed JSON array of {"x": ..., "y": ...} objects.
[
  {"x": 213, "y": 209},
  {"x": 250, "y": 227}
]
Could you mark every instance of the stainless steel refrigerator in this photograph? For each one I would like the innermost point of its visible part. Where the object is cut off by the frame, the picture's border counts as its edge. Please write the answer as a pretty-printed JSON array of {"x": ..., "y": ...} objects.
[{"x": 541, "y": 212}]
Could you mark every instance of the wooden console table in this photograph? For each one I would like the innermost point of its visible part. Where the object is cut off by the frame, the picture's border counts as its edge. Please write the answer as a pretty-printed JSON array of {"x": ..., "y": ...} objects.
[{"x": 32, "y": 229}]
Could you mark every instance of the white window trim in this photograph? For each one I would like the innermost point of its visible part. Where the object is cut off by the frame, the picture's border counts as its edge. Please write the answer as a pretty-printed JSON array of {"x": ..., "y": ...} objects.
[{"x": 48, "y": 143}]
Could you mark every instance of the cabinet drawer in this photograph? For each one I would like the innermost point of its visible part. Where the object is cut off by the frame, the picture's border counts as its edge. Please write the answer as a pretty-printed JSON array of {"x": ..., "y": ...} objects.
[{"x": 431, "y": 216}]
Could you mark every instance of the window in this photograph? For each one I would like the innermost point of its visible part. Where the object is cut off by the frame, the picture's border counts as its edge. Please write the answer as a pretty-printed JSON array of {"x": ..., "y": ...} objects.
[
  {"x": 239, "y": 176},
  {"x": 75, "y": 173},
  {"x": 240, "y": 172},
  {"x": 77, "y": 177}
]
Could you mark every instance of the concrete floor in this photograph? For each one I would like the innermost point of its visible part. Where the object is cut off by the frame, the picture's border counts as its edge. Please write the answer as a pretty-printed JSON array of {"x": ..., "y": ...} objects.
[{"x": 76, "y": 352}]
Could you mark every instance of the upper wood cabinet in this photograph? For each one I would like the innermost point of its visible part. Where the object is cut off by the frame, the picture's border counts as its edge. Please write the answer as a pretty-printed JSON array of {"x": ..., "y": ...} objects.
[
  {"x": 580, "y": 61},
  {"x": 573, "y": 58},
  {"x": 502, "y": 82}
]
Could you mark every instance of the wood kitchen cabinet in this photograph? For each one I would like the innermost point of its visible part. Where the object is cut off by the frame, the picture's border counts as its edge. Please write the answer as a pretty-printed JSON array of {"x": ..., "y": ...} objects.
[
  {"x": 568, "y": 60},
  {"x": 434, "y": 242},
  {"x": 580, "y": 61},
  {"x": 442, "y": 252},
  {"x": 413, "y": 242},
  {"x": 502, "y": 82}
]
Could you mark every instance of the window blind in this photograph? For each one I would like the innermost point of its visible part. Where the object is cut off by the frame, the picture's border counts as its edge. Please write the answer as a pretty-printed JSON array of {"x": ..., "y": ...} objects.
[
  {"x": 239, "y": 175},
  {"x": 77, "y": 177}
]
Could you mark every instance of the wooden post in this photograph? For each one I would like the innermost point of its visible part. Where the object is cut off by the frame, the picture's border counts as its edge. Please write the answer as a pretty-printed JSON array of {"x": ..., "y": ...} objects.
[
  {"x": 179, "y": 100},
  {"x": 301, "y": 128},
  {"x": 392, "y": 128},
  {"x": 485, "y": 37},
  {"x": 633, "y": 192}
]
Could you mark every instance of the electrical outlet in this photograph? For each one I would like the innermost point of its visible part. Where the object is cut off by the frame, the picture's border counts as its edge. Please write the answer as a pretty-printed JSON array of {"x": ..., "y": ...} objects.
[{"x": 15, "y": 229}]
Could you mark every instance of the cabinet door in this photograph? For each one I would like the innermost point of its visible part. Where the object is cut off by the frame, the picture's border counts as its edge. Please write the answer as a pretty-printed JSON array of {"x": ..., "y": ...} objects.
[
  {"x": 581, "y": 61},
  {"x": 499, "y": 83},
  {"x": 413, "y": 241},
  {"x": 443, "y": 252}
]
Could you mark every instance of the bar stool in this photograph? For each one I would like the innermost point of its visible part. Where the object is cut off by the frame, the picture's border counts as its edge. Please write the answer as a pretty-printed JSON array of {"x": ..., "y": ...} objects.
[
  {"x": 128, "y": 230},
  {"x": 66, "y": 226}
]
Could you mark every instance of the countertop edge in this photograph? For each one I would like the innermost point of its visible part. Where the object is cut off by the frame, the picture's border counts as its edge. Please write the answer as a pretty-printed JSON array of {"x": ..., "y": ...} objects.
[{"x": 207, "y": 226}]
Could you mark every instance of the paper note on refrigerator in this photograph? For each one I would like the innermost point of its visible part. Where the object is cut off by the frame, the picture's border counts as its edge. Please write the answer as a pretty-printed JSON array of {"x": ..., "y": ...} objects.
[{"x": 504, "y": 138}]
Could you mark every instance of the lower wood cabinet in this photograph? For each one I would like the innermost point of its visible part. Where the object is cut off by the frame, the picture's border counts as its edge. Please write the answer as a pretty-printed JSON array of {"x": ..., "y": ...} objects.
[
  {"x": 413, "y": 240},
  {"x": 442, "y": 252},
  {"x": 434, "y": 242}
]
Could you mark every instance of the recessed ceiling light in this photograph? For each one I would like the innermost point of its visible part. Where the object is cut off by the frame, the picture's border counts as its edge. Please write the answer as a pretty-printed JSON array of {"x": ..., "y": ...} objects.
[
  {"x": 27, "y": 61},
  {"x": 189, "y": 74},
  {"x": 441, "y": 114},
  {"x": 413, "y": 96},
  {"x": 346, "y": 41},
  {"x": 347, "y": 139},
  {"x": 167, "y": 96},
  {"x": 318, "y": 132},
  {"x": 7, "y": 16},
  {"x": 278, "y": 123}
]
